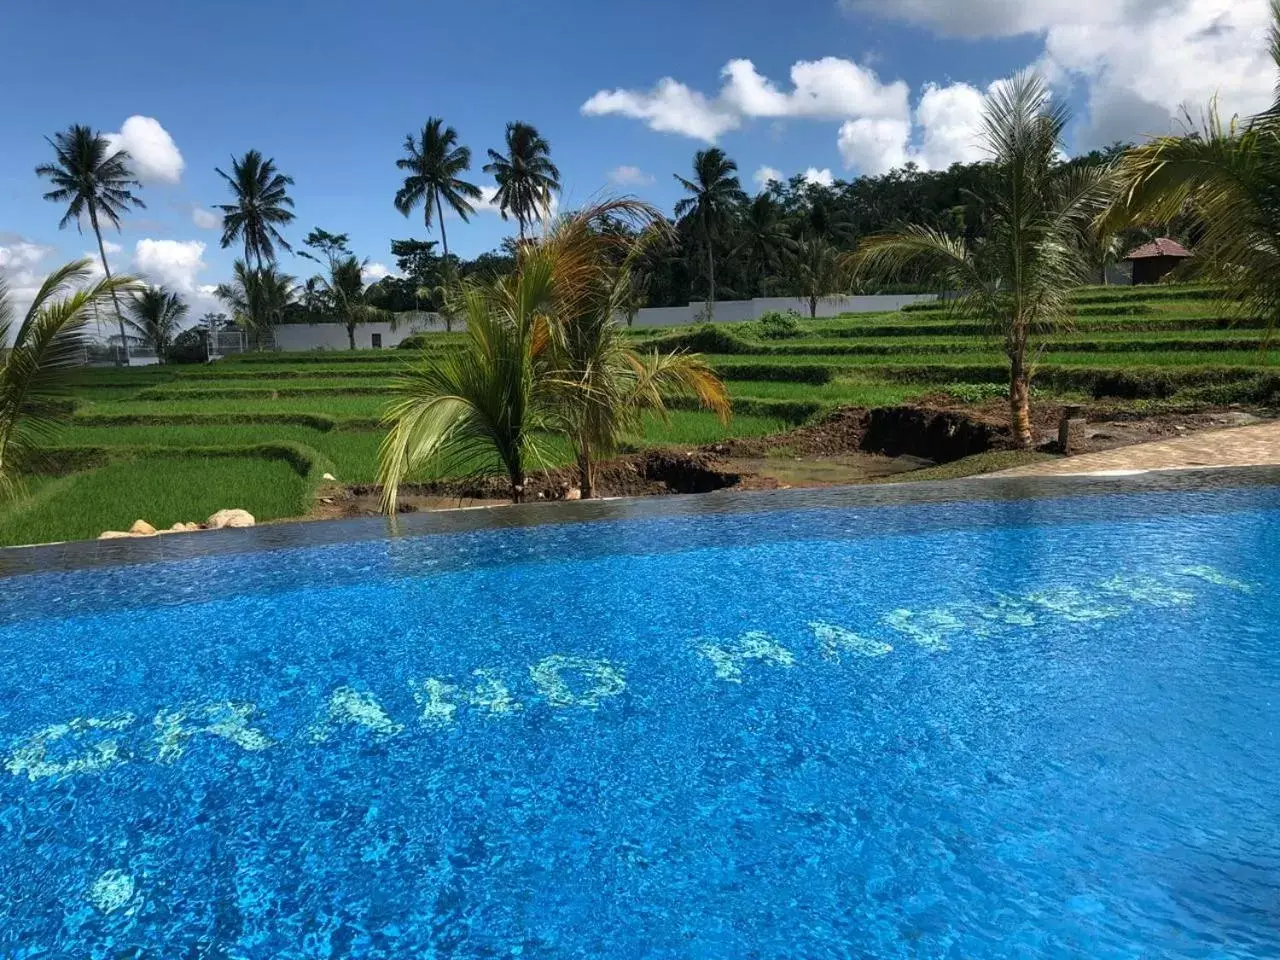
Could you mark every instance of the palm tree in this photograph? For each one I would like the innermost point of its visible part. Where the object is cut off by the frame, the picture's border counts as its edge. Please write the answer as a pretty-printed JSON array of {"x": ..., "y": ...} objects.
[
  {"x": 435, "y": 162},
  {"x": 530, "y": 367},
  {"x": 92, "y": 179},
  {"x": 156, "y": 316},
  {"x": 1227, "y": 176},
  {"x": 1019, "y": 278},
  {"x": 764, "y": 242},
  {"x": 606, "y": 386},
  {"x": 816, "y": 271},
  {"x": 262, "y": 205},
  {"x": 349, "y": 297},
  {"x": 257, "y": 299},
  {"x": 714, "y": 195},
  {"x": 526, "y": 176},
  {"x": 33, "y": 367}
]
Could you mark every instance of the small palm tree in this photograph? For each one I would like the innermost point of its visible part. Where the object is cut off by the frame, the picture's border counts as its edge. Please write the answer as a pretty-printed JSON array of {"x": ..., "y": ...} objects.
[
  {"x": 544, "y": 355},
  {"x": 1020, "y": 277},
  {"x": 261, "y": 206},
  {"x": 435, "y": 162},
  {"x": 350, "y": 298},
  {"x": 156, "y": 315},
  {"x": 606, "y": 386},
  {"x": 816, "y": 271},
  {"x": 257, "y": 299},
  {"x": 33, "y": 368},
  {"x": 526, "y": 177},
  {"x": 1227, "y": 175},
  {"x": 91, "y": 178},
  {"x": 715, "y": 194}
]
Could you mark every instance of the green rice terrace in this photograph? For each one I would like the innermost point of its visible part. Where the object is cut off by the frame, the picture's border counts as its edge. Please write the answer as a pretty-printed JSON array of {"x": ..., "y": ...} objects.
[{"x": 261, "y": 431}]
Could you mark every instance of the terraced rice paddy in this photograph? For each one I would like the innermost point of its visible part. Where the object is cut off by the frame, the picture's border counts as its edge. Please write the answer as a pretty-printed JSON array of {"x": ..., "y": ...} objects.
[{"x": 257, "y": 431}]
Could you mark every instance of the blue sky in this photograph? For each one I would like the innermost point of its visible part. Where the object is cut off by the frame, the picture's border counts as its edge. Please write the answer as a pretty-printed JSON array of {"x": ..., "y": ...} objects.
[{"x": 331, "y": 95}]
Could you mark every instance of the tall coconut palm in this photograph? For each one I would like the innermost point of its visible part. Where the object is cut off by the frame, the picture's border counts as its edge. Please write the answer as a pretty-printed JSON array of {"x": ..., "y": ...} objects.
[
  {"x": 1019, "y": 278},
  {"x": 531, "y": 367},
  {"x": 156, "y": 316},
  {"x": 260, "y": 207},
  {"x": 714, "y": 195},
  {"x": 257, "y": 299},
  {"x": 94, "y": 180},
  {"x": 525, "y": 175},
  {"x": 349, "y": 297},
  {"x": 1227, "y": 176},
  {"x": 33, "y": 368},
  {"x": 435, "y": 162}
]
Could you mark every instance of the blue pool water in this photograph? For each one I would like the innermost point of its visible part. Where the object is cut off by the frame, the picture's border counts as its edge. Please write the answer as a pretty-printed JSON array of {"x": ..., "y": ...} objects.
[{"x": 1022, "y": 729}]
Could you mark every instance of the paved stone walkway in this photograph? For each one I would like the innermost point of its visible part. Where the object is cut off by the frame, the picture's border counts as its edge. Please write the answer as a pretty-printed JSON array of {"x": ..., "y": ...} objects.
[{"x": 1255, "y": 445}]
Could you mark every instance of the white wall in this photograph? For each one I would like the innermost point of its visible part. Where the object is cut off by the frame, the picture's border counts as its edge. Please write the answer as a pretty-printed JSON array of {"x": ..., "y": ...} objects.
[
  {"x": 736, "y": 311},
  {"x": 333, "y": 336}
]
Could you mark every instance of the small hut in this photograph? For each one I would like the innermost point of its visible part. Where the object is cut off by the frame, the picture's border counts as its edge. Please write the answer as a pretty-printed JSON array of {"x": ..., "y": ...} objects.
[{"x": 1153, "y": 261}]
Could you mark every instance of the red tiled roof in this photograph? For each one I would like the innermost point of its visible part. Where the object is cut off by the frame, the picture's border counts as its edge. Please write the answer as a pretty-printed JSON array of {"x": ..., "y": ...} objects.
[{"x": 1162, "y": 247}]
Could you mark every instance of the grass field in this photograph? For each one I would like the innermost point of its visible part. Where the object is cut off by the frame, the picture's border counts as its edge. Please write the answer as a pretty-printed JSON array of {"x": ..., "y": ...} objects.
[{"x": 177, "y": 443}]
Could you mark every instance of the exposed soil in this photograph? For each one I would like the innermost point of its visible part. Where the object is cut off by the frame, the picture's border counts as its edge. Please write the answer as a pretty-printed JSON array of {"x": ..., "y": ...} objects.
[{"x": 852, "y": 445}]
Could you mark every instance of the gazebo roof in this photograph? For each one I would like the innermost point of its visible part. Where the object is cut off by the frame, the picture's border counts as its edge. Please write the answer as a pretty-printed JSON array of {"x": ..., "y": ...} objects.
[{"x": 1161, "y": 247}]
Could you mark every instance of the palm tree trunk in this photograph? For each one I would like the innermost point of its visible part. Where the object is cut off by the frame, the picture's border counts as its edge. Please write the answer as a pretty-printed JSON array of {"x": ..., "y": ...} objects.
[
  {"x": 444, "y": 240},
  {"x": 351, "y": 335},
  {"x": 586, "y": 472},
  {"x": 102, "y": 251},
  {"x": 711, "y": 282},
  {"x": 1019, "y": 392},
  {"x": 813, "y": 308}
]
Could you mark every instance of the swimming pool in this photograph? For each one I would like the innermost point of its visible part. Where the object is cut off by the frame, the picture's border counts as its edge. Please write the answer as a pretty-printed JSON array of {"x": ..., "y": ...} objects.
[{"x": 835, "y": 725}]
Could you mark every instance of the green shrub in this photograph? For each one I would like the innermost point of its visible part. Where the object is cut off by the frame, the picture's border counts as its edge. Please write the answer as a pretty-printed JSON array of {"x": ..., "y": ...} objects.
[
  {"x": 977, "y": 392},
  {"x": 415, "y": 341},
  {"x": 705, "y": 338},
  {"x": 778, "y": 325}
]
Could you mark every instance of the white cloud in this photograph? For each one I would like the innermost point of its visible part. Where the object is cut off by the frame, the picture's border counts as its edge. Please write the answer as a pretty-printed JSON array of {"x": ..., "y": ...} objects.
[
  {"x": 670, "y": 107},
  {"x": 826, "y": 89},
  {"x": 206, "y": 219},
  {"x": 873, "y": 146},
  {"x": 1140, "y": 61},
  {"x": 176, "y": 265},
  {"x": 765, "y": 174},
  {"x": 822, "y": 178},
  {"x": 373, "y": 272},
  {"x": 110, "y": 247},
  {"x": 153, "y": 154},
  {"x": 951, "y": 118},
  {"x": 629, "y": 176},
  {"x": 879, "y": 129},
  {"x": 23, "y": 268}
]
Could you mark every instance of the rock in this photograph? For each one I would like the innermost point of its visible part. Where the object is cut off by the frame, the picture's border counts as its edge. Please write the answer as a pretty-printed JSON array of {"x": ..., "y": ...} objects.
[
  {"x": 114, "y": 534},
  {"x": 183, "y": 527},
  {"x": 573, "y": 493},
  {"x": 328, "y": 476},
  {"x": 230, "y": 518},
  {"x": 142, "y": 528}
]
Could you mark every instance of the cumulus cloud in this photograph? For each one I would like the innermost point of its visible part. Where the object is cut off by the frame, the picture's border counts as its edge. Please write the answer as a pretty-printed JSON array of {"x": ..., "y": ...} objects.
[
  {"x": 1140, "y": 61},
  {"x": 879, "y": 129},
  {"x": 176, "y": 265},
  {"x": 110, "y": 247},
  {"x": 670, "y": 107},
  {"x": 822, "y": 178},
  {"x": 153, "y": 154},
  {"x": 629, "y": 176},
  {"x": 206, "y": 219},
  {"x": 23, "y": 267},
  {"x": 766, "y": 174},
  {"x": 373, "y": 272}
]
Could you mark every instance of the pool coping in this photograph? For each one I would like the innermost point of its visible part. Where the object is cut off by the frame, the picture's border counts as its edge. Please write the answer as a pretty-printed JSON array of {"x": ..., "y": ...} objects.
[{"x": 85, "y": 554}]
